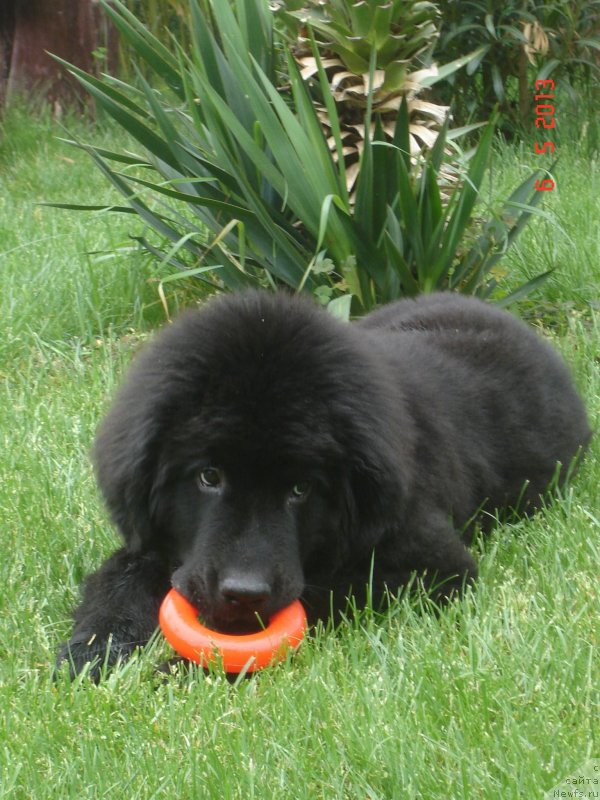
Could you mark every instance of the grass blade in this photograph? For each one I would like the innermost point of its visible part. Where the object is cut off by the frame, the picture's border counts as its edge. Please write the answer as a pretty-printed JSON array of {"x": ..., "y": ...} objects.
[{"x": 524, "y": 290}]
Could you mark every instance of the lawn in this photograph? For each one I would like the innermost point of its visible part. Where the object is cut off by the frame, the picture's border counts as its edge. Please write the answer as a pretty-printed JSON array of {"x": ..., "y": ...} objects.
[{"x": 498, "y": 697}]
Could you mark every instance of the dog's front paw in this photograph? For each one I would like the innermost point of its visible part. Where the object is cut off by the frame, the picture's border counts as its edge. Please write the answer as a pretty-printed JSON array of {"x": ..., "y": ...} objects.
[{"x": 92, "y": 654}]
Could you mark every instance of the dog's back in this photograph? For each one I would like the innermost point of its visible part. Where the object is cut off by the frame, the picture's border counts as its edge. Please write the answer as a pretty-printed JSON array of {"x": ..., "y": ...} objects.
[{"x": 505, "y": 395}]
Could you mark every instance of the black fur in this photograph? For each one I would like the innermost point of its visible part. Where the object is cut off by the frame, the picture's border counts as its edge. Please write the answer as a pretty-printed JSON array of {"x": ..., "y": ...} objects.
[{"x": 402, "y": 426}]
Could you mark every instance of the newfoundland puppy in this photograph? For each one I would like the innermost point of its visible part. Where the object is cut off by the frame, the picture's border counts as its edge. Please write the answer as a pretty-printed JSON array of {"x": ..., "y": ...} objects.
[{"x": 261, "y": 450}]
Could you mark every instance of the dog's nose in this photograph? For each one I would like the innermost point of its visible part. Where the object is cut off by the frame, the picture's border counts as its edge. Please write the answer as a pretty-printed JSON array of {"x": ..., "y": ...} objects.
[{"x": 245, "y": 590}]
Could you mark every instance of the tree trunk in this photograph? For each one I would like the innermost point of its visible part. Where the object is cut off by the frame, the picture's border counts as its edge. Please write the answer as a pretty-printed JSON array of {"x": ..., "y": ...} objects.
[
  {"x": 7, "y": 29},
  {"x": 71, "y": 29}
]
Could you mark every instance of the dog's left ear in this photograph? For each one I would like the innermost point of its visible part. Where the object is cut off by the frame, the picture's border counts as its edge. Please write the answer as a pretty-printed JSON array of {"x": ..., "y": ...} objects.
[{"x": 375, "y": 488}]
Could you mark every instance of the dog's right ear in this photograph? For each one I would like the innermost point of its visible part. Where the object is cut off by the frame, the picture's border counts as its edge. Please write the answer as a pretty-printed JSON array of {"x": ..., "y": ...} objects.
[
  {"x": 130, "y": 440},
  {"x": 129, "y": 443},
  {"x": 125, "y": 456}
]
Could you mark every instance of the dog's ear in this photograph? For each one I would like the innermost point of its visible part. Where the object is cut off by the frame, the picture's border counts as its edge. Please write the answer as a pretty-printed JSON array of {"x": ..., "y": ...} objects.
[
  {"x": 125, "y": 455},
  {"x": 129, "y": 441},
  {"x": 375, "y": 488},
  {"x": 131, "y": 438}
]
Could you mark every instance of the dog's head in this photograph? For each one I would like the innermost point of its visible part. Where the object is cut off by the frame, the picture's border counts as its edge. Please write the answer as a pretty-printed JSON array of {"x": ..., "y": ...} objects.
[{"x": 254, "y": 445}]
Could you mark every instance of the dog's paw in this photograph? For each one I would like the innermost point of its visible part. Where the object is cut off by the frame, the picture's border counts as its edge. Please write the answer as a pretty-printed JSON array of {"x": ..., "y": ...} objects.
[{"x": 92, "y": 655}]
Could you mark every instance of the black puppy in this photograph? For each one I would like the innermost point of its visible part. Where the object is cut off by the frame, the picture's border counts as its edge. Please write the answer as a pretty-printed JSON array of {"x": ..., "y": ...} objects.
[{"x": 261, "y": 450}]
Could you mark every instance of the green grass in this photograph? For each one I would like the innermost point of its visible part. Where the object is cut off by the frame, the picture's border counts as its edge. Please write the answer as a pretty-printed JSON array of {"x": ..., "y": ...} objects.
[
  {"x": 64, "y": 276},
  {"x": 496, "y": 698}
]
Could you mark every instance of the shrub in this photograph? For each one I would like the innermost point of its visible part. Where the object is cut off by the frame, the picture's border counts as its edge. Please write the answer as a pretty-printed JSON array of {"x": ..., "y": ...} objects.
[
  {"x": 517, "y": 42},
  {"x": 236, "y": 173}
]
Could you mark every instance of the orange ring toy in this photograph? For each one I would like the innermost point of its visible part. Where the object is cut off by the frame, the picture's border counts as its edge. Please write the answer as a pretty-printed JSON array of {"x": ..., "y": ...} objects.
[{"x": 251, "y": 651}]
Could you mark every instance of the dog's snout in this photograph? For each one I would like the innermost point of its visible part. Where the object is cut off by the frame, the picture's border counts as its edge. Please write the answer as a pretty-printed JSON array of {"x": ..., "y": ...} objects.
[{"x": 245, "y": 590}]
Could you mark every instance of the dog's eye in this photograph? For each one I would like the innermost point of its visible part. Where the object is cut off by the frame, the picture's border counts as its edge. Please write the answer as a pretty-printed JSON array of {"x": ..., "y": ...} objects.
[
  {"x": 300, "y": 490},
  {"x": 209, "y": 478}
]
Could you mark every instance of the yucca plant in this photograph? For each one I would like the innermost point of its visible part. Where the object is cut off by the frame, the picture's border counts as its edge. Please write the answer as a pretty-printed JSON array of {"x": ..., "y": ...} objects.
[
  {"x": 158, "y": 16},
  {"x": 400, "y": 37},
  {"x": 237, "y": 181}
]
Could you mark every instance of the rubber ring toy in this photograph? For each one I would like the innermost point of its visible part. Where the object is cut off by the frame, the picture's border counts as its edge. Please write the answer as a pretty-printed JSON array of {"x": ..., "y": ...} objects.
[{"x": 179, "y": 622}]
